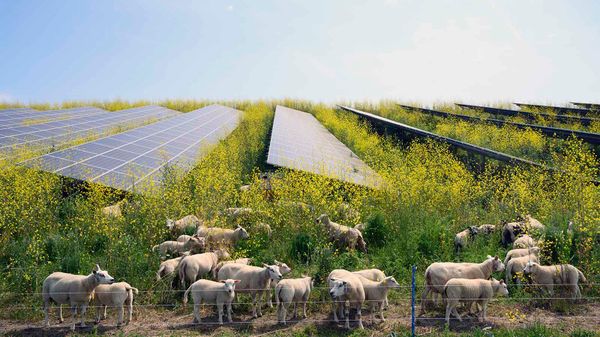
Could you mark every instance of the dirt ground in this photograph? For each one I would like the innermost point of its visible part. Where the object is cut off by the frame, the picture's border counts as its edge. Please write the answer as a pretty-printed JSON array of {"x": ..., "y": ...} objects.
[{"x": 178, "y": 322}]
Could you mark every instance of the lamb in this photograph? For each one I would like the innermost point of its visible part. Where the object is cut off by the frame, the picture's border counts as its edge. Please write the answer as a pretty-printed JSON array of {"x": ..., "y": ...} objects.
[
  {"x": 548, "y": 276},
  {"x": 216, "y": 236},
  {"x": 533, "y": 224},
  {"x": 376, "y": 293},
  {"x": 243, "y": 260},
  {"x": 481, "y": 291},
  {"x": 346, "y": 287},
  {"x": 76, "y": 290},
  {"x": 220, "y": 293},
  {"x": 179, "y": 226},
  {"x": 517, "y": 265},
  {"x": 194, "y": 245},
  {"x": 461, "y": 238},
  {"x": 292, "y": 290},
  {"x": 486, "y": 229},
  {"x": 524, "y": 241},
  {"x": 184, "y": 238},
  {"x": 373, "y": 275},
  {"x": 238, "y": 212},
  {"x": 510, "y": 231},
  {"x": 253, "y": 280},
  {"x": 168, "y": 267},
  {"x": 114, "y": 295},
  {"x": 518, "y": 252},
  {"x": 284, "y": 269},
  {"x": 343, "y": 235},
  {"x": 437, "y": 274},
  {"x": 195, "y": 266},
  {"x": 113, "y": 211}
]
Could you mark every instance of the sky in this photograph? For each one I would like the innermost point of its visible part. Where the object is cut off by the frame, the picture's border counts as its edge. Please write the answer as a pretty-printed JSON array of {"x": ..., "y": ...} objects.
[{"x": 479, "y": 51}]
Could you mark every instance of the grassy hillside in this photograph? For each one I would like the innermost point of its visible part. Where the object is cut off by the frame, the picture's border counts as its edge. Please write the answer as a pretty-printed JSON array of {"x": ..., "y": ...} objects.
[{"x": 47, "y": 223}]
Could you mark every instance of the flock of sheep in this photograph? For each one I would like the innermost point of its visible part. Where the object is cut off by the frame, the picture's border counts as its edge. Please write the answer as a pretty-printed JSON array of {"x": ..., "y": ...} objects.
[{"x": 206, "y": 255}]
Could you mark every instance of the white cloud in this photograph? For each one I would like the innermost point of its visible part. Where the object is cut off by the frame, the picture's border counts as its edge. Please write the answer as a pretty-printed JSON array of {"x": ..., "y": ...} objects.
[{"x": 230, "y": 8}]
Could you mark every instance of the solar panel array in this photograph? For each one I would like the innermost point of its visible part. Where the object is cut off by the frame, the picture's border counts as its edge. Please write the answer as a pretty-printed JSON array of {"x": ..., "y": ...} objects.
[
  {"x": 60, "y": 132},
  {"x": 33, "y": 117},
  {"x": 14, "y": 110},
  {"x": 299, "y": 141},
  {"x": 136, "y": 157}
]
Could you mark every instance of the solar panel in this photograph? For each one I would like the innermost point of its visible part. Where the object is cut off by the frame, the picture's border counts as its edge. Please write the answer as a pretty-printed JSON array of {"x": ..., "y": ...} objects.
[
  {"x": 60, "y": 132},
  {"x": 26, "y": 118},
  {"x": 299, "y": 141},
  {"x": 133, "y": 158},
  {"x": 591, "y": 106},
  {"x": 14, "y": 110},
  {"x": 557, "y": 109}
]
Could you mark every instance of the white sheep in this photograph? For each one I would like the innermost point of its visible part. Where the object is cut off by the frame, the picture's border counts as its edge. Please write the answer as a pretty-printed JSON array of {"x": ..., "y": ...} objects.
[
  {"x": 114, "y": 295},
  {"x": 218, "y": 293},
  {"x": 216, "y": 236},
  {"x": 373, "y": 275},
  {"x": 245, "y": 188},
  {"x": 462, "y": 238},
  {"x": 518, "y": 252},
  {"x": 75, "y": 290},
  {"x": 242, "y": 260},
  {"x": 195, "y": 266},
  {"x": 533, "y": 224},
  {"x": 562, "y": 275},
  {"x": 517, "y": 265},
  {"x": 361, "y": 227},
  {"x": 262, "y": 227},
  {"x": 290, "y": 291},
  {"x": 510, "y": 231},
  {"x": 194, "y": 245},
  {"x": 114, "y": 211},
  {"x": 179, "y": 226},
  {"x": 168, "y": 267},
  {"x": 283, "y": 269},
  {"x": 376, "y": 293},
  {"x": 253, "y": 280},
  {"x": 184, "y": 238},
  {"x": 524, "y": 241},
  {"x": 470, "y": 291},
  {"x": 345, "y": 287},
  {"x": 437, "y": 274},
  {"x": 238, "y": 212},
  {"x": 343, "y": 235}
]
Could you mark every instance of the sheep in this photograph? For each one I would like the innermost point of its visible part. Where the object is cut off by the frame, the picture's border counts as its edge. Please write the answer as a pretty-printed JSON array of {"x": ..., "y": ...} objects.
[
  {"x": 548, "y": 276},
  {"x": 518, "y": 252},
  {"x": 113, "y": 211},
  {"x": 253, "y": 280},
  {"x": 292, "y": 290},
  {"x": 437, "y": 274},
  {"x": 486, "y": 229},
  {"x": 238, "y": 212},
  {"x": 376, "y": 293},
  {"x": 524, "y": 241},
  {"x": 194, "y": 245},
  {"x": 216, "y": 235},
  {"x": 471, "y": 290},
  {"x": 195, "y": 266},
  {"x": 114, "y": 295},
  {"x": 343, "y": 235},
  {"x": 76, "y": 290},
  {"x": 262, "y": 227},
  {"x": 184, "y": 238},
  {"x": 168, "y": 267},
  {"x": 510, "y": 231},
  {"x": 346, "y": 287},
  {"x": 533, "y": 224},
  {"x": 517, "y": 265},
  {"x": 461, "y": 238},
  {"x": 179, "y": 226},
  {"x": 284, "y": 269},
  {"x": 346, "y": 212},
  {"x": 373, "y": 275},
  {"x": 220, "y": 293},
  {"x": 245, "y": 188},
  {"x": 243, "y": 260}
]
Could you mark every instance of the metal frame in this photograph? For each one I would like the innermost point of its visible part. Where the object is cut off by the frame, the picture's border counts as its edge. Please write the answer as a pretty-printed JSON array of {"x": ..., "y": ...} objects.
[
  {"x": 558, "y": 109},
  {"x": 529, "y": 115}
]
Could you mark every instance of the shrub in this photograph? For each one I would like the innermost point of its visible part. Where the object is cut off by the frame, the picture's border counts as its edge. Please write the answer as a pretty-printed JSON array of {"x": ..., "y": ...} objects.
[
  {"x": 302, "y": 248},
  {"x": 376, "y": 231}
]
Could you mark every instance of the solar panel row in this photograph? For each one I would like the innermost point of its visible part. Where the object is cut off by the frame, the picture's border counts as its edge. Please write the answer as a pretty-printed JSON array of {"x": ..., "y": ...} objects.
[
  {"x": 299, "y": 141},
  {"x": 14, "y": 110},
  {"x": 43, "y": 117},
  {"x": 130, "y": 159},
  {"x": 63, "y": 131}
]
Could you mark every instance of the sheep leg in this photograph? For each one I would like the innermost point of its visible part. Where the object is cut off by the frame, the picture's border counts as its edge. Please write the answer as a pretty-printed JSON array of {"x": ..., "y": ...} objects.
[
  {"x": 60, "y": 314},
  {"x": 381, "y": 311},
  {"x": 98, "y": 314},
  {"x": 424, "y": 299},
  {"x": 120, "y": 315},
  {"x": 197, "y": 313},
  {"x": 254, "y": 310},
  {"x": 456, "y": 314},
  {"x": 73, "y": 316},
  {"x": 270, "y": 294},
  {"x": 104, "y": 315},
  {"x": 284, "y": 309},
  {"x": 46, "y": 311},
  {"x": 304, "y": 309},
  {"x": 448, "y": 310},
  {"x": 220, "y": 309},
  {"x": 295, "y": 310},
  {"x": 130, "y": 305},
  {"x": 229, "y": 311},
  {"x": 358, "y": 315},
  {"x": 347, "y": 313},
  {"x": 484, "y": 311},
  {"x": 83, "y": 309},
  {"x": 334, "y": 307}
]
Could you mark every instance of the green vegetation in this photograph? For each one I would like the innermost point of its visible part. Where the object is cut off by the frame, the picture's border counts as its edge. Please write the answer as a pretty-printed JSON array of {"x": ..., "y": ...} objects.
[{"x": 47, "y": 223}]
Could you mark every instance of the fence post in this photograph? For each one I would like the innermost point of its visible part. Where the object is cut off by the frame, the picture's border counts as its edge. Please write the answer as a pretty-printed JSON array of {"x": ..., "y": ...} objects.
[{"x": 414, "y": 272}]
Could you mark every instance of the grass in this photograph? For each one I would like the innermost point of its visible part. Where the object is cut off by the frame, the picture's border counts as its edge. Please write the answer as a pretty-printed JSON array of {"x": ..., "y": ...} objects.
[{"x": 49, "y": 223}]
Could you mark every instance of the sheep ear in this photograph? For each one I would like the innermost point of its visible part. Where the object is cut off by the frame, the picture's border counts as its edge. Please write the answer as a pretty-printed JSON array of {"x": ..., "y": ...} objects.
[
  {"x": 344, "y": 282},
  {"x": 332, "y": 279},
  {"x": 265, "y": 265},
  {"x": 223, "y": 281},
  {"x": 237, "y": 281},
  {"x": 276, "y": 262},
  {"x": 97, "y": 268},
  {"x": 496, "y": 258}
]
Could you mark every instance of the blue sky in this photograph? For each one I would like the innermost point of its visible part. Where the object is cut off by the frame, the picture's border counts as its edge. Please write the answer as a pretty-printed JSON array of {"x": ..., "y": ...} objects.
[{"x": 477, "y": 51}]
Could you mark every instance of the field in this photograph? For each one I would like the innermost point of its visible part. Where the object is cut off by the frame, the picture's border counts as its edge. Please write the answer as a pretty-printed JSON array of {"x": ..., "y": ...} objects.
[{"x": 49, "y": 223}]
